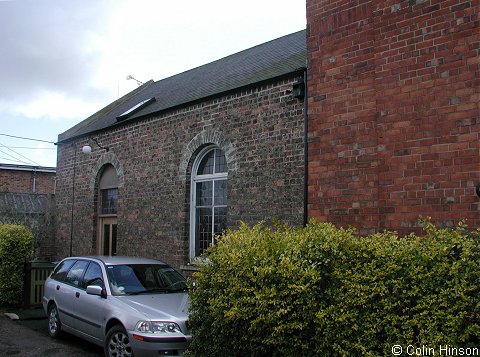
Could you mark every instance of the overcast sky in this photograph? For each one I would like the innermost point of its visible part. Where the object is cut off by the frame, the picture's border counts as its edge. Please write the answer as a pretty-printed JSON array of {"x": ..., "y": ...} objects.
[{"x": 63, "y": 60}]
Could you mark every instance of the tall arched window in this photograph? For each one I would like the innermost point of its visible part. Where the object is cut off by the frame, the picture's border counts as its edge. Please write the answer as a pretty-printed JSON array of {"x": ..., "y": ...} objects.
[
  {"x": 208, "y": 199},
  {"x": 107, "y": 211}
]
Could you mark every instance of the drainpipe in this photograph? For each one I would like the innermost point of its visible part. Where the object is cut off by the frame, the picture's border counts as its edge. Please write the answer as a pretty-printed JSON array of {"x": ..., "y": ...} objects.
[
  {"x": 34, "y": 188},
  {"x": 305, "y": 150}
]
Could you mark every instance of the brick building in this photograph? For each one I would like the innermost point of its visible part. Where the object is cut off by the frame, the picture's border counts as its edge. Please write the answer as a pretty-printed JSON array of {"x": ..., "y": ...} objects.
[
  {"x": 27, "y": 198},
  {"x": 388, "y": 131},
  {"x": 178, "y": 160},
  {"x": 27, "y": 179},
  {"x": 393, "y": 112}
]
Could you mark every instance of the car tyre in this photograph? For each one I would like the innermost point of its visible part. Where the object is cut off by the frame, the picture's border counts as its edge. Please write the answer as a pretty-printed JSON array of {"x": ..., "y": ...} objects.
[
  {"x": 117, "y": 343},
  {"x": 54, "y": 324}
]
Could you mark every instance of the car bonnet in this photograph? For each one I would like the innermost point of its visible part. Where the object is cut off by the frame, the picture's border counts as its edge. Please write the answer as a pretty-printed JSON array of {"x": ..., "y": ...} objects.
[{"x": 159, "y": 306}]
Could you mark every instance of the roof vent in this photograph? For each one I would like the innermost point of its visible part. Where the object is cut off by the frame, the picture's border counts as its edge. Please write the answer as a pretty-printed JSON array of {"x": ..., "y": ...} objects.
[{"x": 135, "y": 108}]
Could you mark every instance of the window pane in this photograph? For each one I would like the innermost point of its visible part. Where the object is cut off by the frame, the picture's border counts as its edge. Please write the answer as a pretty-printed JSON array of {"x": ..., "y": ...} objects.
[
  {"x": 220, "y": 161},
  {"x": 203, "y": 230},
  {"x": 114, "y": 239},
  {"x": 93, "y": 276},
  {"x": 204, "y": 193},
  {"x": 220, "y": 195},
  {"x": 109, "y": 201},
  {"x": 106, "y": 239},
  {"x": 206, "y": 165},
  {"x": 74, "y": 276},
  {"x": 220, "y": 220},
  {"x": 62, "y": 269}
]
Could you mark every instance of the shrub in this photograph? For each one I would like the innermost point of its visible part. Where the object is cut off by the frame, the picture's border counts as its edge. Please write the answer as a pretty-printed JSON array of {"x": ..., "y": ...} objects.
[
  {"x": 322, "y": 290},
  {"x": 15, "y": 249}
]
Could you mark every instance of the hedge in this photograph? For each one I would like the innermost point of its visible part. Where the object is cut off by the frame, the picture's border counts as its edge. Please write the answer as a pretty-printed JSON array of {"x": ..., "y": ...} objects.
[
  {"x": 322, "y": 290},
  {"x": 15, "y": 249}
]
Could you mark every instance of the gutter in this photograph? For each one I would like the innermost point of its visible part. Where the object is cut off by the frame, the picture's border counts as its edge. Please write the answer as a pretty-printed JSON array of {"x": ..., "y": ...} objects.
[{"x": 28, "y": 168}]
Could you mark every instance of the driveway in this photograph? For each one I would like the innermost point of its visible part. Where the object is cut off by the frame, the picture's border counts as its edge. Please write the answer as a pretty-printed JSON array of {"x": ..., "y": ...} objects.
[{"x": 28, "y": 337}]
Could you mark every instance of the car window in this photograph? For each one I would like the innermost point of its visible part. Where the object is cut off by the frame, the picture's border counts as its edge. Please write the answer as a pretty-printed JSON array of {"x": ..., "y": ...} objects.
[
  {"x": 144, "y": 278},
  {"x": 74, "y": 276},
  {"x": 93, "y": 275},
  {"x": 61, "y": 270}
]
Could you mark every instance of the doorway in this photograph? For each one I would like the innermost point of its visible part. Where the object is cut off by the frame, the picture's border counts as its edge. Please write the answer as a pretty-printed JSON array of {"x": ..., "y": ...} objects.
[{"x": 108, "y": 236}]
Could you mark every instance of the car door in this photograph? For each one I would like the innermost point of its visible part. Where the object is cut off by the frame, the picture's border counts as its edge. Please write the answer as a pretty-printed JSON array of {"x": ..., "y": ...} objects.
[
  {"x": 71, "y": 291},
  {"x": 61, "y": 291},
  {"x": 89, "y": 309}
]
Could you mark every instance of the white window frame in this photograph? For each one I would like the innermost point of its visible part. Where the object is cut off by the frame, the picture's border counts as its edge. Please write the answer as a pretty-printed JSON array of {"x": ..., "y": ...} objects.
[{"x": 193, "y": 187}]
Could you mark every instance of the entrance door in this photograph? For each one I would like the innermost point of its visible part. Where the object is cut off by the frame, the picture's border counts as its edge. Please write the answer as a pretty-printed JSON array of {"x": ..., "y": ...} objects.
[{"x": 108, "y": 239}]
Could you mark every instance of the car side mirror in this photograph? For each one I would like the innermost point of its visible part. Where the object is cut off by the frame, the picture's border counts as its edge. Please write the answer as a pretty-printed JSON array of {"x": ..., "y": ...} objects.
[{"x": 96, "y": 290}]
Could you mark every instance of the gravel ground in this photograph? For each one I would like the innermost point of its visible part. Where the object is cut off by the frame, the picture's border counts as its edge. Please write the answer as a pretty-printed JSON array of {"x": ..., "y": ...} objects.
[{"x": 28, "y": 337}]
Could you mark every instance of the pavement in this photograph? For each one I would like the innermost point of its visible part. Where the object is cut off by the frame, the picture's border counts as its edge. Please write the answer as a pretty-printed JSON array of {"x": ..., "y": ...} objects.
[{"x": 23, "y": 332}]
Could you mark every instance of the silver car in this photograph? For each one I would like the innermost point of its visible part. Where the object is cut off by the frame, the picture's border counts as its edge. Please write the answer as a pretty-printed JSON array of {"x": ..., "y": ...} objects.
[{"x": 130, "y": 306}]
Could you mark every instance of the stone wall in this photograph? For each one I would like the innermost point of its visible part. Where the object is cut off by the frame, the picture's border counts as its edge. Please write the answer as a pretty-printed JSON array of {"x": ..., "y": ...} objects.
[{"x": 260, "y": 130}]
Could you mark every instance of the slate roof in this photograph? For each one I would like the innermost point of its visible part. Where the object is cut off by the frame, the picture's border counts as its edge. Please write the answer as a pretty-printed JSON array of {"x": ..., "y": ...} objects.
[
  {"x": 22, "y": 203},
  {"x": 258, "y": 64}
]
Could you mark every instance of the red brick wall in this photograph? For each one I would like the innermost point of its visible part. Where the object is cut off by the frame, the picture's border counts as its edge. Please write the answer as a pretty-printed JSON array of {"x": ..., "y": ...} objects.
[
  {"x": 394, "y": 122},
  {"x": 23, "y": 181}
]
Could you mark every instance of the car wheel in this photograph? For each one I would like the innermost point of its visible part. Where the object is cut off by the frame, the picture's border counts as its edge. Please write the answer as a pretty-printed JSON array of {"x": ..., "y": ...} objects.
[
  {"x": 117, "y": 343},
  {"x": 54, "y": 324}
]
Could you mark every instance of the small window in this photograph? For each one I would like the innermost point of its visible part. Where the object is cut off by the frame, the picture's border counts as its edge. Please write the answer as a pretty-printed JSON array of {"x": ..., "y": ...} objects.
[
  {"x": 61, "y": 270},
  {"x": 109, "y": 198},
  {"x": 74, "y": 276},
  {"x": 93, "y": 275}
]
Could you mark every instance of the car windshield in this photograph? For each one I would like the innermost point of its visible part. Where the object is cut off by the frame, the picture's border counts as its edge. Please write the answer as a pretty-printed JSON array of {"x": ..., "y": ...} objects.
[{"x": 135, "y": 279}]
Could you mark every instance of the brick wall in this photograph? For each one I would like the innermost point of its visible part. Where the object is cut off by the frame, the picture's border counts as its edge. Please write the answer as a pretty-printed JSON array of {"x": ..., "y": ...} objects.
[
  {"x": 23, "y": 181},
  {"x": 261, "y": 133},
  {"x": 393, "y": 112}
]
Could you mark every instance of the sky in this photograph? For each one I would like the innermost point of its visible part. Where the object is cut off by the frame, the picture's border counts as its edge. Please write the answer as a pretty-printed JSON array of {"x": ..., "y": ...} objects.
[{"x": 63, "y": 60}]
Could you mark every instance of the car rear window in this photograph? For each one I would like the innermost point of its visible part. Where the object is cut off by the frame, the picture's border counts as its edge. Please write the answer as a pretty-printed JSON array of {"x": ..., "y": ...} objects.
[{"x": 61, "y": 270}]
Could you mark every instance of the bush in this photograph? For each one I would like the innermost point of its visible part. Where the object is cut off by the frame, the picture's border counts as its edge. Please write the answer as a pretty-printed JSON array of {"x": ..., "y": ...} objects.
[
  {"x": 322, "y": 290},
  {"x": 15, "y": 249}
]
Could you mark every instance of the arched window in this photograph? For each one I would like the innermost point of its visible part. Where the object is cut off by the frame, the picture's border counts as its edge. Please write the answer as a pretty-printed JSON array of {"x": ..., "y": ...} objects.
[
  {"x": 208, "y": 199},
  {"x": 107, "y": 211}
]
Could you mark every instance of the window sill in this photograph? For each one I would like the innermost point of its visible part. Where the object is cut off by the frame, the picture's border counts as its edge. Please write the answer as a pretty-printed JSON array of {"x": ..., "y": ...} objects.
[{"x": 189, "y": 267}]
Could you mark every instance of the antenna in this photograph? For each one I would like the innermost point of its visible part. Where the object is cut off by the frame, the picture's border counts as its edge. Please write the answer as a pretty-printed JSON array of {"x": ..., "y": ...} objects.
[{"x": 136, "y": 80}]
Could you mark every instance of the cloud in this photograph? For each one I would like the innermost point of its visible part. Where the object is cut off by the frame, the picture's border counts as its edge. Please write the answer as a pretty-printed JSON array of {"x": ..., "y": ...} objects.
[
  {"x": 48, "y": 47},
  {"x": 68, "y": 59}
]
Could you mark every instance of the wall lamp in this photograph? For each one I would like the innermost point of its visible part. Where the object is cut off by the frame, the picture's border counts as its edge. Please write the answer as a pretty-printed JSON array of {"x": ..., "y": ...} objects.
[{"x": 87, "y": 149}]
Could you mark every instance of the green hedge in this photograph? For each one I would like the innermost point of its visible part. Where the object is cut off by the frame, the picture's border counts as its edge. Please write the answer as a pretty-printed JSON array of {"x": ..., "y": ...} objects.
[
  {"x": 15, "y": 250},
  {"x": 324, "y": 291}
]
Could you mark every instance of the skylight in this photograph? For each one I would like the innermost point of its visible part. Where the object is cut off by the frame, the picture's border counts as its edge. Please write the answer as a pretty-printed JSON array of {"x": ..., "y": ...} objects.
[{"x": 135, "y": 108}]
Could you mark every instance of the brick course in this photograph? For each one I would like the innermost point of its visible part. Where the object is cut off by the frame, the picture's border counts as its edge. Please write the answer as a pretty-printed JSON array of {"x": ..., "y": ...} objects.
[
  {"x": 261, "y": 132},
  {"x": 393, "y": 112}
]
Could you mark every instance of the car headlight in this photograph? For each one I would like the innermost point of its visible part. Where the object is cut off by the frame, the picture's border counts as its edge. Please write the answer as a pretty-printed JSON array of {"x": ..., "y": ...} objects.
[{"x": 157, "y": 327}]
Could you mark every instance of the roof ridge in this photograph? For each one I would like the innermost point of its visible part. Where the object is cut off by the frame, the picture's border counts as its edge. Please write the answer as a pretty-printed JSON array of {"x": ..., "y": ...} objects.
[
  {"x": 266, "y": 61},
  {"x": 229, "y": 56}
]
